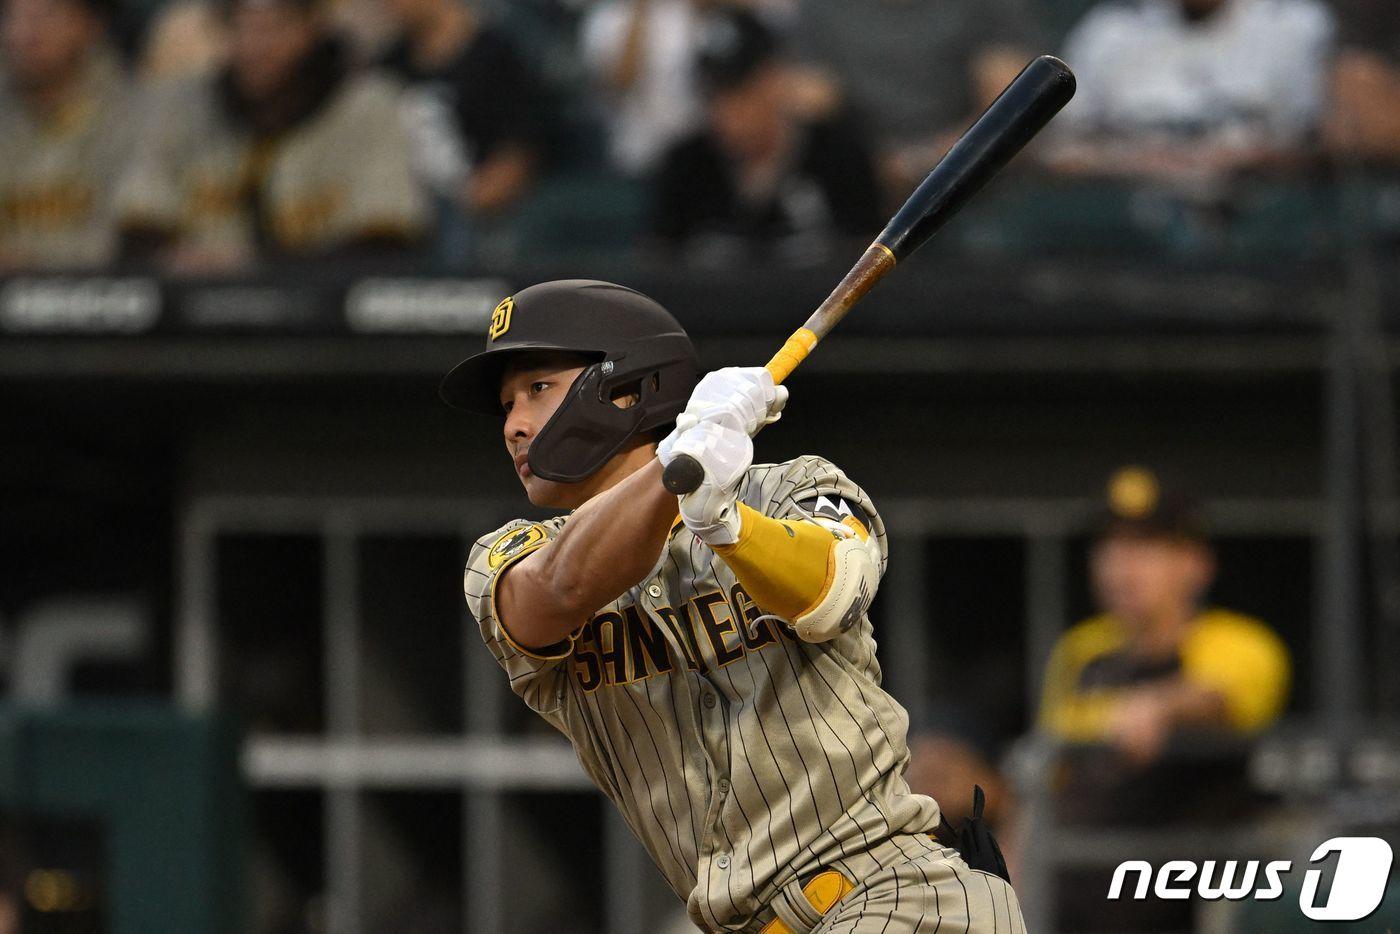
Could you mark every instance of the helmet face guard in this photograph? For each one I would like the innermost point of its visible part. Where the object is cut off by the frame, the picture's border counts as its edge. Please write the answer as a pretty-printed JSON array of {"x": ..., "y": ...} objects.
[
  {"x": 633, "y": 347},
  {"x": 589, "y": 428}
]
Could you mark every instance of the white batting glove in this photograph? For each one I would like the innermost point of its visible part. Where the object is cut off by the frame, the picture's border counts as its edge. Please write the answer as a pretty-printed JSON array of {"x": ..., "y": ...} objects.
[
  {"x": 725, "y": 452},
  {"x": 744, "y": 397}
]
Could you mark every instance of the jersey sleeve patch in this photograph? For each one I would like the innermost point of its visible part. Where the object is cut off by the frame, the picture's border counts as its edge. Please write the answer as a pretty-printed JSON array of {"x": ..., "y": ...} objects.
[
  {"x": 515, "y": 544},
  {"x": 835, "y": 507},
  {"x": 492, "y": 556},
  {"x": 511, "y": 547}
]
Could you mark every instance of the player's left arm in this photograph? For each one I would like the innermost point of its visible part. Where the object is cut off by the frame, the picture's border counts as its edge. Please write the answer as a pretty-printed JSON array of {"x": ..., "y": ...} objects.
[
  {"x": 818, "y": 573},
  {"x": 818, "y": 569}
]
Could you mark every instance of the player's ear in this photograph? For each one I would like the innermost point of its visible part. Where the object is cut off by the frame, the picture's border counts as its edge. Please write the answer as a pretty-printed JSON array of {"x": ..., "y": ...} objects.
[{"x": 626, "y": 395}]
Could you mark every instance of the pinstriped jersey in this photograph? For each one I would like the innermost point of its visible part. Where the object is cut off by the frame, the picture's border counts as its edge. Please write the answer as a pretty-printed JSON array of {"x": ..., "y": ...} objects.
[{"x": 740, "y": 756}]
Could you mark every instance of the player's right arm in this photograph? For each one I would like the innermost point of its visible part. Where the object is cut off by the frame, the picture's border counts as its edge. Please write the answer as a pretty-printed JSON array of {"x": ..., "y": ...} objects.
[
  {"x": 614, "y": 540},
  {"x": 607, "y": 546}
]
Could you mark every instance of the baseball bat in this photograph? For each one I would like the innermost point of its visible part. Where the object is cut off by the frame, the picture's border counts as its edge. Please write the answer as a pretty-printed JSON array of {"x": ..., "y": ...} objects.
[{"x": 1020, "y": 112}]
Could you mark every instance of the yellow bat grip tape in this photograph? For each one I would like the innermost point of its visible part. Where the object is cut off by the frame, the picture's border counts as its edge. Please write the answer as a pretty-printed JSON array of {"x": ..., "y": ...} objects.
[{"x": 793, "y": 352}]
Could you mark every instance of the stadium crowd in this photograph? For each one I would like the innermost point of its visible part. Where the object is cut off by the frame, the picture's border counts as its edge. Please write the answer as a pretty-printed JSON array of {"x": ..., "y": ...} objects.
[{"x": 201, "y": 137}]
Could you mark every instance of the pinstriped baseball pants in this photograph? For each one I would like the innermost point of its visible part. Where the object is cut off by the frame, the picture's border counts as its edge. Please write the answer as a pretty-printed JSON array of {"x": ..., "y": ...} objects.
[{"x": 932, "y": 891}]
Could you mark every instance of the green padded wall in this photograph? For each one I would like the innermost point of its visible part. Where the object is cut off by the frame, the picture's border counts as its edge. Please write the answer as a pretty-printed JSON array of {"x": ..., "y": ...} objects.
[{"x": 165, "y": 788}]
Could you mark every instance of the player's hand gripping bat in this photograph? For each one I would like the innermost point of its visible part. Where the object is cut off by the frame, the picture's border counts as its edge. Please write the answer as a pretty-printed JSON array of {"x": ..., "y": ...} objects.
[{"x": 1018, "y": 114}]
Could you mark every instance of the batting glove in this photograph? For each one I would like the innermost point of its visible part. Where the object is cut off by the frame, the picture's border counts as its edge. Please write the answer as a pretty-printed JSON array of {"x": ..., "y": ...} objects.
[
  {"x": 741, "y": 397},
  {"x": 725, "y": 452}
]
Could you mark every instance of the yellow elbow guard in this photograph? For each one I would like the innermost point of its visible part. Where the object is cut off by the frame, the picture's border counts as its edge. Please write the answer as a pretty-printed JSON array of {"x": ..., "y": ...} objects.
[{"x": 819, "y": 579}]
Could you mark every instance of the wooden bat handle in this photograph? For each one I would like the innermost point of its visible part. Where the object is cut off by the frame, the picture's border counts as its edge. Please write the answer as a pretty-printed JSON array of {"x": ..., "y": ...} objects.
[
  {"x": 684, "y": 474},
  {"x": 868, "y": 270},
  {"x": 793, "y": 352}
]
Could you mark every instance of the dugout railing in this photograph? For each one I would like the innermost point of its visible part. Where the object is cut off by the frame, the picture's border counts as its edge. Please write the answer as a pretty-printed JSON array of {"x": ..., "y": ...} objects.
[
  {"x": 1328, "y": 329},
  {"x": 483, "y": 763},
  {"x": 1305, "y": 785},
  {"x": 486, "y": 764}
]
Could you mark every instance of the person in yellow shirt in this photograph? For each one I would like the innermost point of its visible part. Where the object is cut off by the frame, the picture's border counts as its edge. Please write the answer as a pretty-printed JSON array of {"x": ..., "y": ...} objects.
[
  {"x": 1156, "y": 662},
  {"x": 1155, "y": 697}
]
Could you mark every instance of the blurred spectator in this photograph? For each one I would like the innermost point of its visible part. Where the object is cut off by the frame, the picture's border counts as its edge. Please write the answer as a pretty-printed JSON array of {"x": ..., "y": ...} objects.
[
  {"x": 1365, "y": 116},
  {"x": 917, "y": 72},
  {"x": 1155, "y": 695},
  {"x": 946, "y": 767},
  {"x": 64, "y": 133},
  {"x": 1192, "y": 90},
  {"x": 475, "y": 105},
  {"x": 186, "y": 39},
  {"x": 189, "y": 38},
  {"x": 284, "y": 152},
  {"x": 1155, "y": 663},
  {"x": 641, "y": 55},
  {"x": 368, "y": 27},
  {"x": 759, "y": 180}
]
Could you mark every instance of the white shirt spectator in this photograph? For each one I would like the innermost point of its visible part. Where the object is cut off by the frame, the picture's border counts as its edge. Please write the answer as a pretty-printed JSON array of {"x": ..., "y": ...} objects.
[
  {"x": 662, "y": 103},
  {"x": 1253, "y": 72}
]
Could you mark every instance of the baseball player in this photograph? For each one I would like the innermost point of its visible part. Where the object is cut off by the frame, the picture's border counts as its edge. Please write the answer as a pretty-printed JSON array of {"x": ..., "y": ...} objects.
[
  {"x": 286, "y": 151},
  {"x": 710, "y": 658}
]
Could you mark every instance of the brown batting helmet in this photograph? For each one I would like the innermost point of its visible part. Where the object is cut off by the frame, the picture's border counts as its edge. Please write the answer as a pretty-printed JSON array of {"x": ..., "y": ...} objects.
[{"x": 633, "y": 345}]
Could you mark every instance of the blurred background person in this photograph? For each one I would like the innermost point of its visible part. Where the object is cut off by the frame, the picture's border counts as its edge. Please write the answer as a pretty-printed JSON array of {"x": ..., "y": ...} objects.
[
  {"x": 915, "y": 71},
  {"x": 1157, "y": 662},
  {"x": 1191, "y": 91},
  {"x": 1155, "y": 696},
  {"x": 948, "y": 767},
  {"x": 185, "y": 39},
  {"x": 283, "y": 153},
  {"x": 64, "y": 134},
  {"x": 476, "y": 108},
  {"x": 760, "y": 180},
  {"x": 641, "y": 56},
  {"x": 1364, "y": 119}
]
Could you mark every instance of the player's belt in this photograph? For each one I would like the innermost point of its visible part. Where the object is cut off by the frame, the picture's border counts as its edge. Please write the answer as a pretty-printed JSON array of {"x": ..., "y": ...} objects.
[{"x": 799, "y": 906}]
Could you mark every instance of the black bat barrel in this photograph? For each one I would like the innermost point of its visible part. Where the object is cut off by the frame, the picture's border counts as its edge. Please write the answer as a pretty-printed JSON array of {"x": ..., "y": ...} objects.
[{"x": 1020, "y": 112}]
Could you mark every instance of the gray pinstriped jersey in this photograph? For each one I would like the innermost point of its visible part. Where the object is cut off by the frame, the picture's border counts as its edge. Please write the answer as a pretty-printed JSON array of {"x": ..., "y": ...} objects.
[{"x": 740, "y": 756}]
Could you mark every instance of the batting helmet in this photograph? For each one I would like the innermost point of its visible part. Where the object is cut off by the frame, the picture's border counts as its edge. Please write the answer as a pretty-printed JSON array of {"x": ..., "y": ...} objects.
[{"x": 633, "y": 345}]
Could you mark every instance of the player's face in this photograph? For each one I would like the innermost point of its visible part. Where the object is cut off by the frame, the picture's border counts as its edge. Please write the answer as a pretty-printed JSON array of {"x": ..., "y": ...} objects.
[
  {"x": 531, "y": 389},
  {"x": 43, "y": 41},
  {"x": 1143, "y": 580}
]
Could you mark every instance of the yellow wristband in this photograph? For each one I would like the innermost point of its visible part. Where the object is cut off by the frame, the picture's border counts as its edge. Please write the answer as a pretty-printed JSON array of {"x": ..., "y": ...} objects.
[{"x": 785, "y": 565}]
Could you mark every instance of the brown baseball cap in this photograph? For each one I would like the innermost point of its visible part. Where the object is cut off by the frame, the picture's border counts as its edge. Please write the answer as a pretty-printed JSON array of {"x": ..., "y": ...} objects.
[{"x": 1137, "y": 505}]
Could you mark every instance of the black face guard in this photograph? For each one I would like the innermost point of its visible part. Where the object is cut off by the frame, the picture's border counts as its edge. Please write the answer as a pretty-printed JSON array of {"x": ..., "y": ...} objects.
[{"x": 589, "y": 429}]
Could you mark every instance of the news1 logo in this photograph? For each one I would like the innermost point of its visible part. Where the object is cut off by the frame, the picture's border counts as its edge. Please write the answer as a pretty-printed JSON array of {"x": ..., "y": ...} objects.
[{"x": 1358, "y": 882}]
